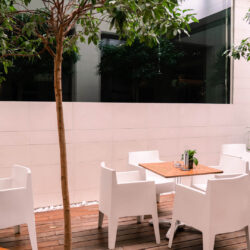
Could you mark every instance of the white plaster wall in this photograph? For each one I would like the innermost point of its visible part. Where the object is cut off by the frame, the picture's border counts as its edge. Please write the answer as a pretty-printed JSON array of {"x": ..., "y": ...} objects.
[{"x": 108, "y": 131}]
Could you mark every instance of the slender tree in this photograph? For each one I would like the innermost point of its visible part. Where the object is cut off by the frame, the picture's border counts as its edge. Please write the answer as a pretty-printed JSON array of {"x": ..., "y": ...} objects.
[{"x": 27, "y": 32}]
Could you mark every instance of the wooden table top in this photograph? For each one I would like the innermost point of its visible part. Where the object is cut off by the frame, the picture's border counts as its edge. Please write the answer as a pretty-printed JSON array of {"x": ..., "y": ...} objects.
[{"x": 168, "y": 170}]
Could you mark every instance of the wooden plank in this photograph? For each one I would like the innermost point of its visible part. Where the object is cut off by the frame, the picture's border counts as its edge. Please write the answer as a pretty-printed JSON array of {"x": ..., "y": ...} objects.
[{"x": 168, "y": 170}]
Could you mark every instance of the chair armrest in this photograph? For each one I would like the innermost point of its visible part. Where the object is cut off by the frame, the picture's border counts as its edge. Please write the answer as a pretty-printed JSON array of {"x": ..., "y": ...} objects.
[
  {"x": 5, "y": 183},
  {"x": 12, "y": 190},
  {"x": 141, "y": 170},
  {"x": 12, "y": 196},
  {"x": 225, "y": 176},
  {"x": 133, "y": 167},
  {"x": 126, "y": 177},
  {"x": 14, "y": 206}
]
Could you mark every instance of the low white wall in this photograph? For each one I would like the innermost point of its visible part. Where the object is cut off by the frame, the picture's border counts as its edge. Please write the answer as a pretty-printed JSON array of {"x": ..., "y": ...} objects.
[{"x": 106, "y": 131}]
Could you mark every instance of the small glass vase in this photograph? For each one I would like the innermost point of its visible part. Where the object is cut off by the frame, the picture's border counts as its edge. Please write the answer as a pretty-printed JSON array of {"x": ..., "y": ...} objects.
[{"x": 190, "y": 164}]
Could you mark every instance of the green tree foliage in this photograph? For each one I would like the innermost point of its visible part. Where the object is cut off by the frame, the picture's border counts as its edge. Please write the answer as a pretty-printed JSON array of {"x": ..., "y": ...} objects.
[
  {"x": 243, "y": 49},
  {"x": 26, "y": 33}
]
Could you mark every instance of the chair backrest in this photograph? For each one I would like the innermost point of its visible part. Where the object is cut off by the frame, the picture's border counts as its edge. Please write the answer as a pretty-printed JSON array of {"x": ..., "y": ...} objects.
[
  {"x": 21, "y": 176},
  {"x": 232, "y": 164},
  {"x": 107, "y": 185},
  {"x": 228, "y": 203},
  {"x": 233, "y": 149},
  {"x": 143, "y": 157}
]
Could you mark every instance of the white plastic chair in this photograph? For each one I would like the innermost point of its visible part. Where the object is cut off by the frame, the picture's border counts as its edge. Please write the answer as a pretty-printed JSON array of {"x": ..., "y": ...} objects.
[
  {"x": 230, "y": 165},
  {"x": 16, "y": 202},
  {"x": 163, "y": 185},
  {"x": 223, "y": 208},
  {"x": 125, "y": 194}
]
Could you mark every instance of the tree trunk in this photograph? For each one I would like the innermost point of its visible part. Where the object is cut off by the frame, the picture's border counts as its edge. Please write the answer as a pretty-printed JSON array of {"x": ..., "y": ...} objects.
[{"x": 62, "y": 142}]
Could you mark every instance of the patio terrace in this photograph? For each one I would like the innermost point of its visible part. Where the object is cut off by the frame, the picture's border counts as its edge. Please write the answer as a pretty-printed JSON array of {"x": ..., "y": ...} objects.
[
  {"x": 130, "y": 236},
  {"x": 107, "y": 132}
]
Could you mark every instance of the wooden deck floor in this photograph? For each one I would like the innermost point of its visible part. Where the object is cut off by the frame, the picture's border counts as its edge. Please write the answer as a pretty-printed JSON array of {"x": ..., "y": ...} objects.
[{"x": 131, "y": 236}]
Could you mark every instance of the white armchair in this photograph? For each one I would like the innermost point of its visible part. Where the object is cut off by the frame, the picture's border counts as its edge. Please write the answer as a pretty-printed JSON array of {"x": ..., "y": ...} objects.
[
  {"x": 125, "y": 194},
  {"x": 223, "y": 208},
  {"x": 230, "y": 165},
  {"x": 16, "y": 201},
  {"x": 163, "y": 185}
]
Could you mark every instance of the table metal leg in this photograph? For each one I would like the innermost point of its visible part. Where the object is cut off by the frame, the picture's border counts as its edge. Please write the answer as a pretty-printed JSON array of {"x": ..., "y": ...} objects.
[
  {"x": 178, "y": 225},
  {"x": 166, "y": 222}
]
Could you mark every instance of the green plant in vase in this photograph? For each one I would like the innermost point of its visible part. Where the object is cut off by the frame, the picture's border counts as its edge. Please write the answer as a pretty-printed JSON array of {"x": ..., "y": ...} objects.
[{"x": 191, "y": 158}]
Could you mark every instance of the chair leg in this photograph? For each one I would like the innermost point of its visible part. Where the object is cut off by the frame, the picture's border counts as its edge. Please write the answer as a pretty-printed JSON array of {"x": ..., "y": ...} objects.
[
  {"x": 140, "y": 219},
  {"x": 208, "y": 240},
  {"x": 158, "y": 198},
  {"x": 247, "y": 230},
  {"x": 112, "y": 231},
  {"x": 100, "y": 219},
  {"x": 172, "y": 231},
  {"x": 32, "y": 233},
  {"x": 156, "y": 227}
]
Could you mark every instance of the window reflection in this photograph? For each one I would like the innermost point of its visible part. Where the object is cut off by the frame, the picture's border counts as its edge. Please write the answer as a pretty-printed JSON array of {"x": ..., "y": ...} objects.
[{"x": 185, "y": 70}]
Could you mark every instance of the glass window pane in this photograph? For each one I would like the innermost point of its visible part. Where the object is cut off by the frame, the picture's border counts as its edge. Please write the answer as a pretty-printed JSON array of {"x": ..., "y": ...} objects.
[{"x": 185, "y": 70}]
